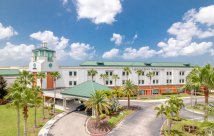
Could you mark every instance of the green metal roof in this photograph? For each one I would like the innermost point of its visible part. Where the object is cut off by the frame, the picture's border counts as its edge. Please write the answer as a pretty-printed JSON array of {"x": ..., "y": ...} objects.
[
  {"x": 43, "y": 49},
  {"x": 9, "y": 72},
  {"x": 135, "y": 64},
  {"x": 85, "y": 89}
]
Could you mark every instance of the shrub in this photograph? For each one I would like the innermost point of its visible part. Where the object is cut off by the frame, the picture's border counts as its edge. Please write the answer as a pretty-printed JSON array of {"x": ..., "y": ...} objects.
[{"x": 102, "y": 116}]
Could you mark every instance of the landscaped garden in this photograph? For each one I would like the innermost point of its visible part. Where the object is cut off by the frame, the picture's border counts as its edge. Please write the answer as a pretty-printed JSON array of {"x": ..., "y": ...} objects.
[{"x": 201, "y": 108}]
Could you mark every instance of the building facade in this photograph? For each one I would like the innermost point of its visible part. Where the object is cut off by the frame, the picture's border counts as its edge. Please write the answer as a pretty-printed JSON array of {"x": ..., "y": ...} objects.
[{"x": 168, "y": 77}]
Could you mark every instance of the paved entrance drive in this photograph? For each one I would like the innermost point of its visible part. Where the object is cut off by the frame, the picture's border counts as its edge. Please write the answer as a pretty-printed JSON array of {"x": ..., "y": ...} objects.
[{"x": 72, "y": 124}]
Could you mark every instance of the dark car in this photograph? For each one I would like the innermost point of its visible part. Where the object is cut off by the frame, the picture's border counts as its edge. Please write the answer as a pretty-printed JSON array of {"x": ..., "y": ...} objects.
[{"x": 81, "y": 108}]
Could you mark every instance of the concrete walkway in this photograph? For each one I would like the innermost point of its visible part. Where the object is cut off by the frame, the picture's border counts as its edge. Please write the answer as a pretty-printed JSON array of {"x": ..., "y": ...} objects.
[{"x": 72, "y": 124}]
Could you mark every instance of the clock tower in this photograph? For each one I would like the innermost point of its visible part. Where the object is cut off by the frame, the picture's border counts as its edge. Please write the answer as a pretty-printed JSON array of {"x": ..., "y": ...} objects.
[{"x": 44, "y": 60}]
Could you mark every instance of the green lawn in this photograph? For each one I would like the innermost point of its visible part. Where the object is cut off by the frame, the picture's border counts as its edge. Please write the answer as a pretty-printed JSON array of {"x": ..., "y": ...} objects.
[
  {"x": 178, "y": 125},
  {"x": 114, "y": 120},
  {"x": 8, "y": 119},
  {"x": 200, "y": 108},
  {"x": 156, "y": 97}
]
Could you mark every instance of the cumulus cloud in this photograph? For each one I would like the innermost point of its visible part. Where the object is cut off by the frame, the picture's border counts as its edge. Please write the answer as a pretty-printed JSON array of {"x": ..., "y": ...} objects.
[
  {"x": 117, "y": 39},
  {"x": 205, "y": 15},
  {"x": 98, "y": 11},
  {"x": 81, "y": 51},
  {"x": 54, "y": 42},
  {"x": 143, "y": 52},
  {"x": 111, "y": 54},
  {"x": 7, "y": 32},
  {"x": 16, "y": 52}
]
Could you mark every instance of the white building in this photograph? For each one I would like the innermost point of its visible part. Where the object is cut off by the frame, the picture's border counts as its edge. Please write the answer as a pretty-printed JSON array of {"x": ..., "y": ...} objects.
[{"x": 168, "y": 76}]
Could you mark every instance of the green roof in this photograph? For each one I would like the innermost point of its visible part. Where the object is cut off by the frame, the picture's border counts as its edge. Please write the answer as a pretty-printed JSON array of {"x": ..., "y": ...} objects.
[
  {"x": 9, "y": 72},
  {"x": 85, "y": 89},
  {"x": 43, "y": 49},
  {"x": 135, "y": 64}
]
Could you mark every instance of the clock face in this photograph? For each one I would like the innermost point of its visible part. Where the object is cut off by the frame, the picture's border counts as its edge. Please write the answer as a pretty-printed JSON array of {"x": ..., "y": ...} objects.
[
  {"x": 50, "y": 65},
  {"x": 34, "y": 65}
]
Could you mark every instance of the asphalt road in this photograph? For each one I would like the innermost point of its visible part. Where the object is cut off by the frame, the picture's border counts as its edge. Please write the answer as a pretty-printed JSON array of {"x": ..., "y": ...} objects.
[{"x": 145, "y": 123}]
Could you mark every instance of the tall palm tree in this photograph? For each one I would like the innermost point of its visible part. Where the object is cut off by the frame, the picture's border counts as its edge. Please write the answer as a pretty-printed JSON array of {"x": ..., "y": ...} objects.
[
  {"x": 138, "y": 72},
  {"x": 41, "y": 76},
  {"x": 99, "y": 103},
  {"x": 160, "y": 111},
  {"x": 104, "y": 77},
  {"x": 115, "y": 77},
  {"x": 55, "y": 75},
  {"x": 204, "y": 78},
  {"x": 176, "y": 104},
  {"x": 25, "y": 78},
  {"x": 92, "y": 73},
  {"x": 15, "y": 95},
  {"x": 129, "y": 90},
  {"x": 150, "y": 75},
  {"x": 36, "y": 101},
  {"x": 128, "y": 71}
]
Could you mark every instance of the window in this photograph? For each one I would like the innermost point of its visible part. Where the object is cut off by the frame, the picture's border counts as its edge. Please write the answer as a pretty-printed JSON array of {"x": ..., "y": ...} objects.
[
  {"x": 75, "y": 82},
  {"x": 155, "y": 81},
  {"x": 109, "y": 82},
  {"x": 168, "y": 73},
  {"x": 125, "y": 73},
  {"x": 168, "y": 81},
  {"x": 141, "y": 82},
  {"x": 181, "y": 73},
  {"x": 109, "y": 73},
  {"x": 181, "y": 81},
  {"x": 156, "y": 73},
  {"x": 72, "y": 83},
  {"x": 123, "y": 82},
  {"x": 72, "y": 73},
  {"x": 143, "y": 73}
]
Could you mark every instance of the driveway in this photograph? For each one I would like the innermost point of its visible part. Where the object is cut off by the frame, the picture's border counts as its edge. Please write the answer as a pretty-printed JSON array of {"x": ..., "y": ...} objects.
[{"x": 72, "y": 124}]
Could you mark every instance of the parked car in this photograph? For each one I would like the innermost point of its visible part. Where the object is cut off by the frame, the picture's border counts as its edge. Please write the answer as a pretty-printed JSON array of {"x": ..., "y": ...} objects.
[{"x": 81, "y": 108}]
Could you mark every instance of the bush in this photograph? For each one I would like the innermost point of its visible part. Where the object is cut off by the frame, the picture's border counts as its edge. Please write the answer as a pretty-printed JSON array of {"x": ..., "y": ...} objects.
[
  {"x": 102, "y": 116},
  {"x": 169, "y": 93}
]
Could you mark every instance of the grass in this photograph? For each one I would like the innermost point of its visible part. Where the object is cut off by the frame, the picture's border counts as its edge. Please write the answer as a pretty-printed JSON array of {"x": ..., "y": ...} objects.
[
  {"x": 8, "y": 118},
  {"x": 200, "y": 108},
  {"x": 178, "y": 125},
  {"x": 157, "y": 97},
  {"x": 114, "y": 120}
]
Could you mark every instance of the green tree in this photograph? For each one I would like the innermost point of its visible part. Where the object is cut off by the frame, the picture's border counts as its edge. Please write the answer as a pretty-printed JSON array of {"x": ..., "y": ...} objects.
[
  {"x": 104, "y": 77},
  {"x": 176, "y": 104},
  {"x": 14, "y": 94},
  {"x": 115, "y": 77},
  {"x": 3, "y": 85},
  {"x": 129, "y": 89},
  {"x": 128, "y": 71},
  {"x": 98, "y": 102},
  {"x": 36, "y": 101},
  {"x": 41, "y": 76},
  {"x": 138, "y": 72},
  {"x": 55, "y": 75},
  {"x": 150, "y": 75},
  {"x": 92, "y": 73},
  {"x": 160, "y": 111}
]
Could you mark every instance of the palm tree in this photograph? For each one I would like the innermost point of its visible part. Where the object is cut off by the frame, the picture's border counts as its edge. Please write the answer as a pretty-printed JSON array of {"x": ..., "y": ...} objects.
[
  {"x": 104, "y": 77},
  {"x": 128, "y": 71},
  {"x": 36, "y": 101},
  {"x": 160, "y": 111},
  {"x": 138, "y": 72},
  {"x": 99, "y": 103},
  {"x": 204, "y": 78},
  {"x": 25, "y": 78},
  {"x": 150, "y": 75},
  {"x": 129, "y": 89},
  {"x": 15, "y": 95},
  {"x": 92, "y": 73},
  {"x": 115, "y": 77},
  {"x": 40, "y": 76},
  {"x": 176, "y": 104},
  {"x": 55, "y": 75}
]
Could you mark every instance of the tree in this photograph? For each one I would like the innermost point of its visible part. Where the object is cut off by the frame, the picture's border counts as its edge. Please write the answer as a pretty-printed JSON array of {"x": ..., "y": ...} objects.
[
  {"x": 138, "y": 72},
  {"x": 14, "y": 94},
  {"x": 92, "y": 73},
  {"x": 128, "y": 71},
  {"x": 55, "y": 76},
  {"x": 115, "y": 77},
  {"x": 176, "y": 104},
  {"x": 203, "y": 77},
  {"x": 41, "y": 76},
  {"x": 99, "y": 103},
  {"x": 160, "y": 111},
  {"x": 129, "y": 89},
  {"x": 36, "y": 101},
  {"x": 3, "y": 85},
  {"x": 25, "y": 78},
  {"x": 150, "y": 75},
  {"x": 104, "y": 77}
]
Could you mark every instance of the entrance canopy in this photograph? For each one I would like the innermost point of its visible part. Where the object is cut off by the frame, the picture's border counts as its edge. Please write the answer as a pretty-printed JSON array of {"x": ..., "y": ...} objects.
[{"x": 84, "y": 90}]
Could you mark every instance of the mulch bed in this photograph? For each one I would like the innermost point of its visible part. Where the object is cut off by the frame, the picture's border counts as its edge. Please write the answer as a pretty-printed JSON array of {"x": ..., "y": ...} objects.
[
  {"x": 134, "y": 108},
  {"x": 98, "y": 130}
]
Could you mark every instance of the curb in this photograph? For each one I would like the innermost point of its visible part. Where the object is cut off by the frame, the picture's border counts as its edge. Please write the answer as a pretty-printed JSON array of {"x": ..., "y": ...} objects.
[
  {"x": 45, "y": 129},
  {"x": 201, "y": 113},
  {"x": 161, "y": 134}
]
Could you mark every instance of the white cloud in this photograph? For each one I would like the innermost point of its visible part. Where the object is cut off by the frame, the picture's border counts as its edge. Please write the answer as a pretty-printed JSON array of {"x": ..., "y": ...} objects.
[
  {"x": 81, "y": 51},
  {"x": 6, "y": 32},
  {"x": 205, "y": 15},
  {"x": 143, "y": 52},
  {"x": 111, "y": 54},
  {"x": 98, "y": 11},
  {"x": 117, "y": 39},
  {"x": 15, "y": 52},
  {"x": 54, "y": 42},
  {"x": 64, "y": 2}
]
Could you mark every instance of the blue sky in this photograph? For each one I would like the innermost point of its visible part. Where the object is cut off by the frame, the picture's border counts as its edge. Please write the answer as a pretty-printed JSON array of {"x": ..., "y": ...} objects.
[{"x": 110, "y": 30}]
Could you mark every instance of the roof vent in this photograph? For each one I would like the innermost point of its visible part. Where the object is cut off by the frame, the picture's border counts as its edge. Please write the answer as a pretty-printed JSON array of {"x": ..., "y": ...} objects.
[
  {"x": 187, "y": 65},
  {"x": 148, "y": 64},
  {"x": 44, "y": 44},
  {"x": 100, "y": 63}
]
